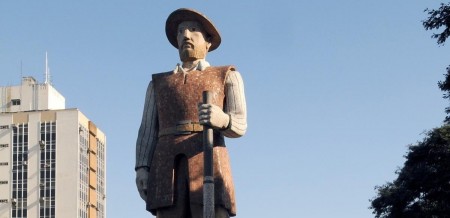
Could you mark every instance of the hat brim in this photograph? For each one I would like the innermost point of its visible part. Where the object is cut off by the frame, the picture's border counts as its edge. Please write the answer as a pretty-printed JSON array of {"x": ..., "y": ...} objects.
[{"x": 186, "y": 14}]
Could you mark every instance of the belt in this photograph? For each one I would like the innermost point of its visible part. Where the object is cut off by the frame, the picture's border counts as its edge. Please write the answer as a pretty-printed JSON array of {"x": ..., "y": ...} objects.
[{"x": 186, "y": 127}]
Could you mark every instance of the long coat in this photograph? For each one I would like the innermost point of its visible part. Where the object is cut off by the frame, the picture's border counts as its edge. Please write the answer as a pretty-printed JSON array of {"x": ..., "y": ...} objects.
[{"x": 177, "y": 97}]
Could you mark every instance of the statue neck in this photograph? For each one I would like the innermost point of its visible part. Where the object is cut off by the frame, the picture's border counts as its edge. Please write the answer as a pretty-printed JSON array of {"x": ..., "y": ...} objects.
[{"x": 191, "y": 64}]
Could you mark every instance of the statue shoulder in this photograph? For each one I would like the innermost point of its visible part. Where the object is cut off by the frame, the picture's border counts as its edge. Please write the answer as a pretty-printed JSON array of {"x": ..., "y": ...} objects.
[
  {"x": 160, "y": 75},
  {"x": 225, "y": 68}
]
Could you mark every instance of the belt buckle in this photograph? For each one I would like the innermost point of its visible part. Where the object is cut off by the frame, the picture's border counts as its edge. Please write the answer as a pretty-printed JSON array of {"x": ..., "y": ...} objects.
[{"x": 182, "y": 126}]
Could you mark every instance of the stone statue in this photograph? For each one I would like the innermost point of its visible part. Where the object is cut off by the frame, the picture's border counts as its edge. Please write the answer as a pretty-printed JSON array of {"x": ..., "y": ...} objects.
[{"x": 169, "y": 150}]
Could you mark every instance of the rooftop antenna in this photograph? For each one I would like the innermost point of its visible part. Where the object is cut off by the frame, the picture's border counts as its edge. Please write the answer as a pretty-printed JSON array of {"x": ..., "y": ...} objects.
[{"x": 47, "y": 71}]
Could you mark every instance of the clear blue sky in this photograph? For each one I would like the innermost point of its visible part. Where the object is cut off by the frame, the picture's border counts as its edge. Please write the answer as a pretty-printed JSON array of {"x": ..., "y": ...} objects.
[{"x": 336, "y": 90}]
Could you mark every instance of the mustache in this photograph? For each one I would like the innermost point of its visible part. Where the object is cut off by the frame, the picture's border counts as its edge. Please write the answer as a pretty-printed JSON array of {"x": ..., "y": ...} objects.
[{"x": 187, "y": 43}]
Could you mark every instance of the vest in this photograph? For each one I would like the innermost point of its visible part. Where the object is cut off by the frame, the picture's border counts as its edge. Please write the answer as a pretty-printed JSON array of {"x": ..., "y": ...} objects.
[{"x": 177, "y": 99}]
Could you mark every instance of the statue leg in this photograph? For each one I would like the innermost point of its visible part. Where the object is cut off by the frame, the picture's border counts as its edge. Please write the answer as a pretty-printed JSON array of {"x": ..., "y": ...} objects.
[{"x": 180, "y": 208}]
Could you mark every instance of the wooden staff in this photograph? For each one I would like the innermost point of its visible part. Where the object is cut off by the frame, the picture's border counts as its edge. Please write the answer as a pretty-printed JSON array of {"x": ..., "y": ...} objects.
[{"x": 208, "y": 165}]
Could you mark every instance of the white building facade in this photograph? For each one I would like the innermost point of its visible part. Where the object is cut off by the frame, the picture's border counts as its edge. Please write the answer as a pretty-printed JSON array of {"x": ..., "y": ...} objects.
[{"x": 52, "y": 159}]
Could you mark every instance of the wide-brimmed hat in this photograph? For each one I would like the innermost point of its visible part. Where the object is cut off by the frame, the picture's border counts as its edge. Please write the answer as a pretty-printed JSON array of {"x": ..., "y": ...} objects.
[{"x": 186, "y": 14}]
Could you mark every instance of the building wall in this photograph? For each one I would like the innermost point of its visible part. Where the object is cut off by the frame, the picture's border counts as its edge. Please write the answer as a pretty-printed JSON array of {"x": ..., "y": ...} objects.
[
  {"x": 68, "y": 150},
  {"x": 5, "y": 99},
  {"x": 32, "y": 96},
  {"x": 5, "y": 164},
  {"x": 70, "y": 126},
  {"x": 92, "y": 164},
  {"x": 52, "y": 159},
  {"x": 55, "y": 100},
  {"x": 27, "y": 93},
  {"x": 33, "y": 120}
]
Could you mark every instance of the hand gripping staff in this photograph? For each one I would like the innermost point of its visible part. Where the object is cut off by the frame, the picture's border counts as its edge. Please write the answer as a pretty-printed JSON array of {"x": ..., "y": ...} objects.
[{"x": 208, "y": 165}]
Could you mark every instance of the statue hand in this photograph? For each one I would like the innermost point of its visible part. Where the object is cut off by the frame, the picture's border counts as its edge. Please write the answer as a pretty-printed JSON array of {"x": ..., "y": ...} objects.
[
  {"x": 141, "y": 182},
  {"x": 212, "y": 115}
]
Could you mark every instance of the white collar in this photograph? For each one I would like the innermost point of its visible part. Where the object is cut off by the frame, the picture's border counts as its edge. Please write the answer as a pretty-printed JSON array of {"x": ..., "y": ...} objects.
[{"x": 201, "y": 66}]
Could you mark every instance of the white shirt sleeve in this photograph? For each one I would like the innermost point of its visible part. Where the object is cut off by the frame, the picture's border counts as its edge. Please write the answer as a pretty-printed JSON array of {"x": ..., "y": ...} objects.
[
  {"x": 148, "y": 131},
  {"x": 235, "y": 105}
]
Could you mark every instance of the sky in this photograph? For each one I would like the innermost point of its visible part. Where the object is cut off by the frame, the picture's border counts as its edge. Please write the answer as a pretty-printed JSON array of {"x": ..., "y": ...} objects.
[{"x": 336, "y": 90}]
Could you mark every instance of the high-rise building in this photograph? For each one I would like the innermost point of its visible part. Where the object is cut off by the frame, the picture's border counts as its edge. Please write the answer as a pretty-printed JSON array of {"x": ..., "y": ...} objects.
[{"x": 52, "y": 159}]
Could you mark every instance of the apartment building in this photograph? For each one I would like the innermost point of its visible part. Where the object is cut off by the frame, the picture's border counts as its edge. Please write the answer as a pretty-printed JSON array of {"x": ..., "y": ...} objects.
[{"x": 52, "y": 159}]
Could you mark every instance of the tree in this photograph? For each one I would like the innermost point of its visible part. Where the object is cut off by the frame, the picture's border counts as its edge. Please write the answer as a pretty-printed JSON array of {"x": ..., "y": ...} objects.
[
  {"x": 445, "y": 87},
  {"x": 422, "y": 188},
  {"x": 439, "y": 19}
]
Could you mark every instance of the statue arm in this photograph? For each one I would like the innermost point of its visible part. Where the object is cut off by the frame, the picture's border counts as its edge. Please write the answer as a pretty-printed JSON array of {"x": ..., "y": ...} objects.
[
  {"x": 148, "y": 131},
  {"x": 235, "y": 105}
]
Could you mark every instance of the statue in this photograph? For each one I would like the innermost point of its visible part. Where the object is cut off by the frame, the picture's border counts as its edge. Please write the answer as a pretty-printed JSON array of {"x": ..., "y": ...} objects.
[{"x": 169, "y": 150}]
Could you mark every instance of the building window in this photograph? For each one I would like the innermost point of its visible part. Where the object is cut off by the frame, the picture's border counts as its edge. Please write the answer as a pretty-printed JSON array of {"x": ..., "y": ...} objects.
[
  {"x": 84, "y": 173},
  {"x": 19, "y": 171},
  {"x": 47, "y": 174},
  {"x": 101, "y": 192},
  {"x": 15, "y": 101}
]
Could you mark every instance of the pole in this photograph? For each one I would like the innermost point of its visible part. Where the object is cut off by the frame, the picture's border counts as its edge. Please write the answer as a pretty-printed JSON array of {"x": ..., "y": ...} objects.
[{"x": 208, "y": 165}]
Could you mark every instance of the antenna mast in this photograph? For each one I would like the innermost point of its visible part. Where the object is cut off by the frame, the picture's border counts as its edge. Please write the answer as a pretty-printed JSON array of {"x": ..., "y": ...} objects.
[{"x": 47, "y": 71}]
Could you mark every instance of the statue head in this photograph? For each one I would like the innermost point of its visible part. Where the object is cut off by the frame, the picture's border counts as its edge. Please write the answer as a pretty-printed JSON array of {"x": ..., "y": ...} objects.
[{"x": 192, "y": 33}]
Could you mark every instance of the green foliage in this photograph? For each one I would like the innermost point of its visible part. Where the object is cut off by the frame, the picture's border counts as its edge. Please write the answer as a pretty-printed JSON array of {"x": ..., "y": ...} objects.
[
  {"x": 440, "y": 19},
  {"x": 437, "y": 19},
  {"x": 445, "y": 87},
  {"x": 422, "y": 188}
]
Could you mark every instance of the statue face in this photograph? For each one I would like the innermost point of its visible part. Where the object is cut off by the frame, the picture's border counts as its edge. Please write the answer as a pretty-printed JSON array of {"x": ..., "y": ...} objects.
[{"x": 192, "y": 41}]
